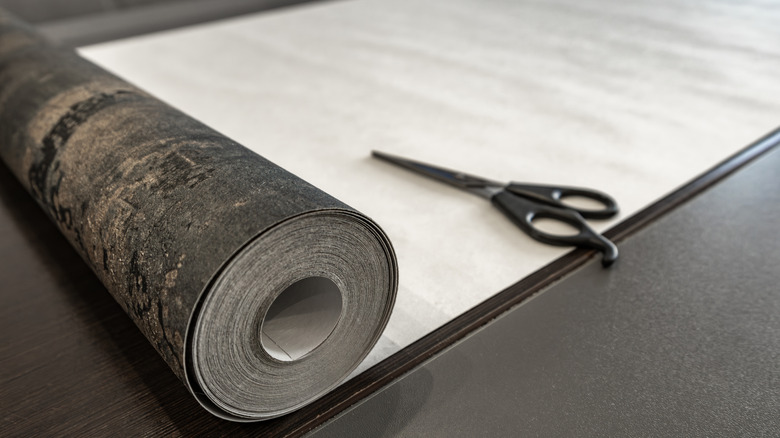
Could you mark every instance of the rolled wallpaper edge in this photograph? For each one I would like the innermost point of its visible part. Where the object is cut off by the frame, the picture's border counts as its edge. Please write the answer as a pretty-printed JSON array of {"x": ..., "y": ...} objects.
[{"x": 178, "y": 222}]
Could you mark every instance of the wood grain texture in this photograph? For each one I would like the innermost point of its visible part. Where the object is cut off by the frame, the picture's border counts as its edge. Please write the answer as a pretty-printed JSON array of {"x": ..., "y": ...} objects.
[{"x": 73, "y": 363}]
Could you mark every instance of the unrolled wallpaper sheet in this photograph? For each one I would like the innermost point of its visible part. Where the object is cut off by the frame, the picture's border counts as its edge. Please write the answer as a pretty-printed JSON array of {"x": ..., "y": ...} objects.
[
  {"x": 259, "y": 290},
  {"x": 630, "y": 98}
]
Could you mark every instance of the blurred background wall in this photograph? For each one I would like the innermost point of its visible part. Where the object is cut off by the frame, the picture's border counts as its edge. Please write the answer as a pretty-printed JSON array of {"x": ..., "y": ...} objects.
[{"x": 76, "y": 23}]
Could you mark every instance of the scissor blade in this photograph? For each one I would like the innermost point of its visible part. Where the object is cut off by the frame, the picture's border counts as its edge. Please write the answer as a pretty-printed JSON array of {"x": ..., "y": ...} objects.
[{"x": 470, "y": 183}]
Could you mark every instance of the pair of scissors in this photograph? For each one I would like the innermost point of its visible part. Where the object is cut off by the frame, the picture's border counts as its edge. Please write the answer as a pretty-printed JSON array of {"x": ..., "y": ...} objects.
[{"x": 523, "y": 203}]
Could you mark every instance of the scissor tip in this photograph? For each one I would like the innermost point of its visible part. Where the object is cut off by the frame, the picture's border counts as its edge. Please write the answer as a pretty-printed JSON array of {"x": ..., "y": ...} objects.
[{"x": 387, "y": 157}]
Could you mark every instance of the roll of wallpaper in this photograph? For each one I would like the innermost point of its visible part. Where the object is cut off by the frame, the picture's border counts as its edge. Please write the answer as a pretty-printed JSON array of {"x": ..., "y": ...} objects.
[{"x": 260, "y": 291}]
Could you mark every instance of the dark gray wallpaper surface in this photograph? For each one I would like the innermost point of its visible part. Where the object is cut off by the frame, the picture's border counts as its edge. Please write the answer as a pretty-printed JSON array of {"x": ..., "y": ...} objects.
[{"x": 169, "y": 213}]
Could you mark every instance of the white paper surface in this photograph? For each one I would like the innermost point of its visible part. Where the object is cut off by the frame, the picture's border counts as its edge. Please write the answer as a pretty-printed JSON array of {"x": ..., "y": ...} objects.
[{"x": 629, "y": 98}]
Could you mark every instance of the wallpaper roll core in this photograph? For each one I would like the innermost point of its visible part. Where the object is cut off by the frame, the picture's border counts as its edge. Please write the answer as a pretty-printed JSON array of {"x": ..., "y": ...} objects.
[
  {"x": 260, "y": 291},
  {"x": 320, "y": 280}
]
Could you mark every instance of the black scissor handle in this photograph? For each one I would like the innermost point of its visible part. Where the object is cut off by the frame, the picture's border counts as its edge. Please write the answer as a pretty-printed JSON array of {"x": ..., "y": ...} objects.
[
  {"x": 553, "y": 196},
  {"x": 523, "y": 211}
]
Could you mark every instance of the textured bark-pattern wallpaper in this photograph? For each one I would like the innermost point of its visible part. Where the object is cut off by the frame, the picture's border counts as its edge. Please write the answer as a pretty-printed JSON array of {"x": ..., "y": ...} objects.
[{"x": 193, "y": 234}]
